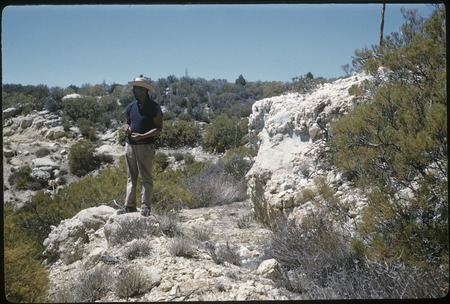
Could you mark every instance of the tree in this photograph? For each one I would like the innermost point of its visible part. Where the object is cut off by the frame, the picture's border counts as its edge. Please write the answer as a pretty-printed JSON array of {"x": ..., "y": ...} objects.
[
  {"x": 241, "y": 80},
  {"x": 397, "y": 146},
  {"x": 382, "y": 24}
]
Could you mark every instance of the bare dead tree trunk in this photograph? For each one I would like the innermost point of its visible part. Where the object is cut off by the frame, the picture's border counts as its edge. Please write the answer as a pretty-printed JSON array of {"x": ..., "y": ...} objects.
[{"x": 382, "y": 24}]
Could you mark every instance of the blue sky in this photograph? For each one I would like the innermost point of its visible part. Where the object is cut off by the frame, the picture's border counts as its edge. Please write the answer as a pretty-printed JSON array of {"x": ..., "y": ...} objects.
[{"x": 64, "y": 45}]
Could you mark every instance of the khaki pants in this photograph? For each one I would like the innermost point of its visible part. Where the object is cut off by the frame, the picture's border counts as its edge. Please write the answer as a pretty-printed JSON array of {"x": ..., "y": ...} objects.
[{"x": 139, "y": 160}]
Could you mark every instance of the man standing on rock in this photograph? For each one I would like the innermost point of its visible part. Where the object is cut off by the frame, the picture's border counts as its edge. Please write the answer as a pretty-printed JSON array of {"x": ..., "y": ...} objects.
[{"x": 143, "y": 122}]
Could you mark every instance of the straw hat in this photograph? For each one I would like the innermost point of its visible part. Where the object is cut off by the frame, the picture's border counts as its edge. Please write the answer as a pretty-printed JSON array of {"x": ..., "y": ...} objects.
[{"x": 141, "y": 81}]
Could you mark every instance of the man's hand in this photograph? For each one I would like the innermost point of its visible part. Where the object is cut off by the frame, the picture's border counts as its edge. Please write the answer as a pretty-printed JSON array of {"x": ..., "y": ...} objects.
[
  {"x": 127, "y": 129},
  {"x": 136, "y": 136}
]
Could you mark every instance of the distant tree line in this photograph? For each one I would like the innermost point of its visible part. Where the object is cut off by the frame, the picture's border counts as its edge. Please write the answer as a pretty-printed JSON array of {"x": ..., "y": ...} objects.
[{"x": 183, "y": 97}]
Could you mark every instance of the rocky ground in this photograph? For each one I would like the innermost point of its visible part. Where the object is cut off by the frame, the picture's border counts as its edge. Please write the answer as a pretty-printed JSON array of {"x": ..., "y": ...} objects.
[
  {"x": 173, "y": 278},
  {"x": 287, "y": 130}
]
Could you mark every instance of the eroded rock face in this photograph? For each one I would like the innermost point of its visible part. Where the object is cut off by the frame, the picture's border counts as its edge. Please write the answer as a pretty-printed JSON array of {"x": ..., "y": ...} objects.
[{"x": 289, "y": 131}]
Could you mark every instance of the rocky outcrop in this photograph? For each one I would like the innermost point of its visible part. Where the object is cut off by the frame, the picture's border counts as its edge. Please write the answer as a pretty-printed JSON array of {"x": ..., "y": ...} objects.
[
  {"x": 289, "y": 131},
  {"x": 97, "y": 239}
]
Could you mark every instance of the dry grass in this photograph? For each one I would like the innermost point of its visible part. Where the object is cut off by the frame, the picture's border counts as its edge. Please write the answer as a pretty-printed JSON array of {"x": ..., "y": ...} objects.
[
  {"x": 93, "y": 285},
  {"x": 212, "y": 187},
  {"x": 137, "y": 249},
  {"x": 182, "y": 246},
  {"x": 133, "y": 228},
  {"x": 131, "y": 282},
  {"x": 321, "y": 264},
  {"x": 224, "y": 253}
]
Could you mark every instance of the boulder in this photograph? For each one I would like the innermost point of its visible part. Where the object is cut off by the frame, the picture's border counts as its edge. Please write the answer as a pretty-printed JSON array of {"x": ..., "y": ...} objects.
[
  {"x": 67, "y": 242},
  {"x": 8, "y": 153},
  {"x": 45, "y": 162},
  {"x": 270, "y": 269},
  {"x": 26, "y": 122},
  {"x": 10, "y": 112},
  {"x": 40, "y": 175},
  {"x": 55, "y": 133},
  {"x": 95, "y": 217}
]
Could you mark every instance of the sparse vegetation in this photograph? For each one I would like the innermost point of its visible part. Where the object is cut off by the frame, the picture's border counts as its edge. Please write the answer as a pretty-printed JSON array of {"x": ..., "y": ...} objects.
[
  {"x": 202, "y": 233},
  {"x": 213, "y": 187},
  {"x": 223, "y": 253},
  {"x": 133, "y": 229},
  {"x": 137, "y": 249},
  {"x": 93, "y": 285},
  {"x": 131, "y": 282},
  {"x": 182, "y": 246}
]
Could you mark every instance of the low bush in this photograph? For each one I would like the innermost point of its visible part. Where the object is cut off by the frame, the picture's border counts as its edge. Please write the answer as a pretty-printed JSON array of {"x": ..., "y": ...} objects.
[
  {"x": 81, "y": 107},
  {"x": 213, "y": 187},
  {"x": 87, "y": 128},
  {"x": 179, "y": 133},
  {"x": 168, "y": 223},
  {"x": 137, "y": 249},
  {"x": 132, "y": 229},
  {"x": 224, "y": 253},
  {"x": 182, "y": 246},
  {"x": 21, "y": 178},
  {"x": 202, "y": 233},
  {"x": 93, "y": 285},
  {"x": 224, "y": 133},
  {"x": 236, "y": 166},
  {"x": 131, "y": 282},
  {"x": 81, "y": 158},
  {"x": 161, "y": 162},
  {"x": 313, "y": 246},
  {"x": 41, "y": 152},
  {"x": 65, "y": 122}
]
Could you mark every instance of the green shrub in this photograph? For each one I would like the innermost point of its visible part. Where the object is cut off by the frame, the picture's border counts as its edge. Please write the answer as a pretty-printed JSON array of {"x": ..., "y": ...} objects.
[
  {"x": 21, "y": 179},
  {"x": 236, "y": 165},
  {"x": 41, "y": 152},
  {"x": 86, "y": 107},
  {"x": 81, "y": 158},
  {"x": 179, "y": 133},
  {"x": 397, "y": 143},
  {"x": 161, "y": 162},
  {"x": 178, "y": 156},
  {"x": 224, "y": 133},
  {"x": 65, "y": 121},
  {"x": 189, "y": 159},
  {"x": 170, "y": 190},
  {"x": 87, "y": 128}
]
